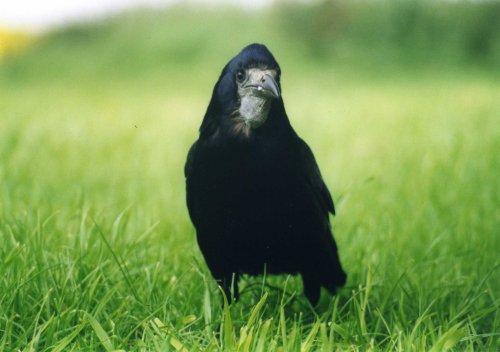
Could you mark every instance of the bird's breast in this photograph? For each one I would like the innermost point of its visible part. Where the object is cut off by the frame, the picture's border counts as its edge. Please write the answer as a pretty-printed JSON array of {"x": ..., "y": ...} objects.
[
  {"x": 253, "y": 203},
  {"x": 247, "y": 190}
]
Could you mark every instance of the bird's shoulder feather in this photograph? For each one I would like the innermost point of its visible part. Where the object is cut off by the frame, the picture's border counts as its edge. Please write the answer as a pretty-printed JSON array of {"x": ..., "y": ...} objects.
[{"x": 313, "y": 176}]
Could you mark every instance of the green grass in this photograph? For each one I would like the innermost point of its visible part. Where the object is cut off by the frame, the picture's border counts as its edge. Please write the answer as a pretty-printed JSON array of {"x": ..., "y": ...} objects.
[{"x": 97, "y": 249}]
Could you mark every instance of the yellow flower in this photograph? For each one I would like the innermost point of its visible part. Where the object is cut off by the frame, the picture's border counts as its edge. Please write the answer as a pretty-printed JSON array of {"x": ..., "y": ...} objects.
[{"x": 12, "y": 41}]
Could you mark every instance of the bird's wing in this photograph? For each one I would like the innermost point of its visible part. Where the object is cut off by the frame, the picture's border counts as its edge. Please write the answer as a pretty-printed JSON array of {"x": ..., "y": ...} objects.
[
  {"x": 188, "y": 168},
  {"x": 313, "y": 178},
  {"x": 189, "y": 162}
]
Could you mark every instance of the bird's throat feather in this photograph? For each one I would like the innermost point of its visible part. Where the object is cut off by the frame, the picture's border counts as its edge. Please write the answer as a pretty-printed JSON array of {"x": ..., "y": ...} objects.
[{"x": 254, "y": 110}]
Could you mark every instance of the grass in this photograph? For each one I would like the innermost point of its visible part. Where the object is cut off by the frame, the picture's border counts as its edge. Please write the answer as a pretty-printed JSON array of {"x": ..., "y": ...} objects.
[{"x": 97, "y": 249}]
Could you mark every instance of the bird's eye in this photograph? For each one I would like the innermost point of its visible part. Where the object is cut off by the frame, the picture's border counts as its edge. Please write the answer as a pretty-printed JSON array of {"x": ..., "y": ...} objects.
[{"x": 240, "y": 76}]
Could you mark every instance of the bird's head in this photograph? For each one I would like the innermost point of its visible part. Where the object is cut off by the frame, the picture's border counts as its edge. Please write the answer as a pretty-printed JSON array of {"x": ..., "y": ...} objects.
[{"x": 246, "y": 90}]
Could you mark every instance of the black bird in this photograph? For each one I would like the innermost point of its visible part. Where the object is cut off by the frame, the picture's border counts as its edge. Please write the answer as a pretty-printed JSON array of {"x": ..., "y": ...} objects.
[{"x": 254, "y": 191}]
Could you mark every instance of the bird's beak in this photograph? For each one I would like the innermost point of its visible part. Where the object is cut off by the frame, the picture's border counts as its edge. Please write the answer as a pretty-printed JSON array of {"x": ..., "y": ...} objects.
[{"x": 263, "y": 83}]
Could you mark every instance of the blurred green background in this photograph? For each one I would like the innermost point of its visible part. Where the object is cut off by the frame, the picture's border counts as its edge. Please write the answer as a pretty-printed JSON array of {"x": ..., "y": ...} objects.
[{"x": 399, "y": 101}]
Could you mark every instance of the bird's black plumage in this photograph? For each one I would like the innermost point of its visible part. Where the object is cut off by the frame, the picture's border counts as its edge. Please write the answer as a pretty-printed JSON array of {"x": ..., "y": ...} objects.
[{"x": 254, "y": 191}]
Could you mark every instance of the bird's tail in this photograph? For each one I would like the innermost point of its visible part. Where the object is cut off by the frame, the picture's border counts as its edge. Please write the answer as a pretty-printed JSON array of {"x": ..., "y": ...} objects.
[{"x": 332, "y": 275}]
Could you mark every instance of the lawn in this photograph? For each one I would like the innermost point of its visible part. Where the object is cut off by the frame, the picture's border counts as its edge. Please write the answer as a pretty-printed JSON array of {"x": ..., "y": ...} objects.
[{"x": 98, "y": 252}]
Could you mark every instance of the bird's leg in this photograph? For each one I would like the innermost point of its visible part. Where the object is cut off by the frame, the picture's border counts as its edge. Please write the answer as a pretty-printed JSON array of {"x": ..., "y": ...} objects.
[
  {"x": 235, "y": 288},
  {"x": 229, "y": 284},
  {"x": 230, "y": 287},
  {"x": 312, "y": 288}
]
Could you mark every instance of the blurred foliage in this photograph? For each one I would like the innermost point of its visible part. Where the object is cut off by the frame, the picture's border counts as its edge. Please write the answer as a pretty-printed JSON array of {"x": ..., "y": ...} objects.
[
  {"x": 408, "y": 31},
  {"x": 373, "y": 34}
]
